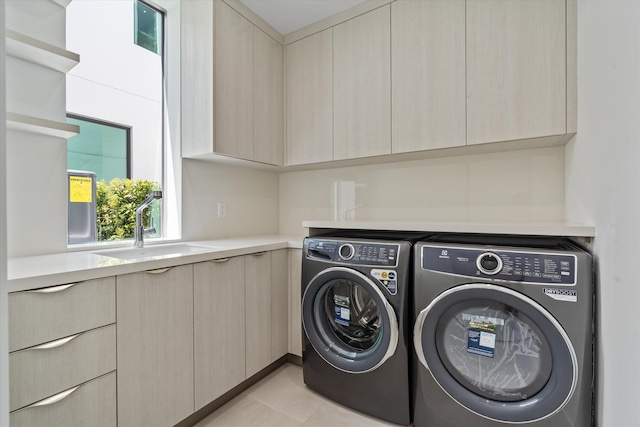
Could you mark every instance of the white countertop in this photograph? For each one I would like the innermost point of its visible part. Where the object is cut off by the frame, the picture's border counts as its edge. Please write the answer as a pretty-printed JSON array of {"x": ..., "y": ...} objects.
[
  {"x": 531, "y": 228},
  {"x": 55, "y": 269}
]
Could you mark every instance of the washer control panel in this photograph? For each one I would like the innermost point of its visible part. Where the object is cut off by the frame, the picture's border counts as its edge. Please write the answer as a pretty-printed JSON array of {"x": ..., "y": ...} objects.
[
  {"x": 506, "y": 265},
  {"x": 353, "y": 252}
]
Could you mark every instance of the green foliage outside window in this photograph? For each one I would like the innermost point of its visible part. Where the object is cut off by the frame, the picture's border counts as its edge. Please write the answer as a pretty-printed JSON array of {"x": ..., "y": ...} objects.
[{"x": 116, "y": 204}]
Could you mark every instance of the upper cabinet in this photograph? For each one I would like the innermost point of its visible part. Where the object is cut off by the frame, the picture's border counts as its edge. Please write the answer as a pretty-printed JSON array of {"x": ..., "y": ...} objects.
[
  {"x": 233, "y": 83},
  {"x": 418, "y": 75},
  {"x": 516, "y": 69},
  {"x": 428, "y": 74},
  {"x": 232, "y": 96},
  {"x": 362, "y": 86},
  {"x": 268, "y": 98},
  {"x": 385, "y": 77},
  {"x": 309, "y": 71}
]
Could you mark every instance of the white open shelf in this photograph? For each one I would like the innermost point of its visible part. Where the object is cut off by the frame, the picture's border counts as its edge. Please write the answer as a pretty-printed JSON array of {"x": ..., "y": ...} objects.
[
  {"x": 40, "y": 126},
  {"x": 24, "y": 47}
]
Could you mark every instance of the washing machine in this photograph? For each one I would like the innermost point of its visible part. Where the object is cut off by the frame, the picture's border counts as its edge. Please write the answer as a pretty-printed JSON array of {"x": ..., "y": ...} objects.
[
  {"x": 355, "y": 316},
  {"x": 502, "y": 332}
]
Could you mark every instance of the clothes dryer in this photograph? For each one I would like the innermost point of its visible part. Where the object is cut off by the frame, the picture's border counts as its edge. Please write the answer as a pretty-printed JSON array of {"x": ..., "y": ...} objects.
[
  {"x": 503, "y": 332},
  {"x": 355, "y": 316}
]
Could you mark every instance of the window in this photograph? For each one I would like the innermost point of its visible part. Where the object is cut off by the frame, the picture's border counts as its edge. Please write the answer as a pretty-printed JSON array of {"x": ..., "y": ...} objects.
[
  {"x": 148, "y": 27},
  {"x": 115, "y": 83},
  {"x": 100, "y": 147}
]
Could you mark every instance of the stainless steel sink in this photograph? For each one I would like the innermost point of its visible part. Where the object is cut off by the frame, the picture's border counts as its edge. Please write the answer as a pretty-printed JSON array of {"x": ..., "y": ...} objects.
[{"x": 156, "y": 251}]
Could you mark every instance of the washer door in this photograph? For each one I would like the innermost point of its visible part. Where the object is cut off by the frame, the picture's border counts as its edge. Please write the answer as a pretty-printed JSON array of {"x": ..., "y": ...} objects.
[
  {"x": 348, "y": 320},
  {"x": 496, "y": 352}
]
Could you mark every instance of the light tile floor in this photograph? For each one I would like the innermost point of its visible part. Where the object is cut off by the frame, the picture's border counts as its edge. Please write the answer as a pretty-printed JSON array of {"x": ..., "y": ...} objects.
[{"x": 282, "y": 400}]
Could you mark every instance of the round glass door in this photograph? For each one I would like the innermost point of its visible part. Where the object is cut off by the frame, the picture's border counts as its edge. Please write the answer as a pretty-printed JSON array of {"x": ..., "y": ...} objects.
[
  {"x": 348, "y": 320},
  {"x": 496, "y": 352}
]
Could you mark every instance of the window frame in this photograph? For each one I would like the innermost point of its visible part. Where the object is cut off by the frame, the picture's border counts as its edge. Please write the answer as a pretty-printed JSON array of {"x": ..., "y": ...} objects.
[{"x": 127, "y": 130}]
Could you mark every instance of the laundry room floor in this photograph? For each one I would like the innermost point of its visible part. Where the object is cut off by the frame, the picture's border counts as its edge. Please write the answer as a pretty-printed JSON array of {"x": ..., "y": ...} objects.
[{"x": 282, "y": 400}]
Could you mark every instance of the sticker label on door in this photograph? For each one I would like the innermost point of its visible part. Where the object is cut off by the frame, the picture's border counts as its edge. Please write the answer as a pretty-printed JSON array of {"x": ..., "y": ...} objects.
[
  {"x": 341, "y": 313},
  {"x": 388, "y": 278},
  {"x": 481, "y": 338}
]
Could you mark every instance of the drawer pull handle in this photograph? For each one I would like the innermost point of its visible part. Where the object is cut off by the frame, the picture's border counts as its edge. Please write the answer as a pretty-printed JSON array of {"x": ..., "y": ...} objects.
[
  {"x": 159, "y": 270},
  {"x": 56, "y": 343},
  {"x": 54, "y": 399},
  {"x": 259, "y": 253},
  {"x": 53, "y": 289},
  {"x": 221, "y": 260}
]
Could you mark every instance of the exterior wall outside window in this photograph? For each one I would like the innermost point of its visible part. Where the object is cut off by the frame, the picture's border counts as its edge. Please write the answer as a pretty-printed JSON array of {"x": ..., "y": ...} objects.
[{"x": 108, "y": 85}]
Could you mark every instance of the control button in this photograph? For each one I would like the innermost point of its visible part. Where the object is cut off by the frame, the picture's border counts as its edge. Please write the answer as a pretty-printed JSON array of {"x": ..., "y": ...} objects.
[
  {"x": 489, "y": 263},
  {"x": 346, "y": 251}
]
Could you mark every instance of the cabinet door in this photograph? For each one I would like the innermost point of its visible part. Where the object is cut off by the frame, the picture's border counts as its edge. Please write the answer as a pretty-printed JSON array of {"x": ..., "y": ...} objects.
[
  {"x": 516, "y": 69},
  {"x": 295, "y": 301},
  {"x": 268, "y": 121},
  {"x": 258, "y": 311},
  {"x": 155, "y": 347},
  {"x": 428, "y": 74},
  {"x": 279, "y": 303},
  {"x": 362, "y": 85},
  {"x": 309, "y": 74},
  {"x": 233, "y": 88},
  {"x": 219, "y": 328}
]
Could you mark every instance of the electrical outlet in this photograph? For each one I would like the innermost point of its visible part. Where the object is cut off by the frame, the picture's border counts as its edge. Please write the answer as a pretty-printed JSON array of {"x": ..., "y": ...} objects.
[{"x": 222, "y": 209}]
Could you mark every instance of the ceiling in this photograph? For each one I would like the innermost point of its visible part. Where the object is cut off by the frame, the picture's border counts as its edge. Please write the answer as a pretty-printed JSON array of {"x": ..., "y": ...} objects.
[{"x": 287, "y": 16}]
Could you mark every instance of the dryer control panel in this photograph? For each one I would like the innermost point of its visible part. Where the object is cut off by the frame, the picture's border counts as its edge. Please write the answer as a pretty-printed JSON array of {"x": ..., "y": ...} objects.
[
  {"x": 353, "y": 252},
  {"x": 506, "y": 265}
]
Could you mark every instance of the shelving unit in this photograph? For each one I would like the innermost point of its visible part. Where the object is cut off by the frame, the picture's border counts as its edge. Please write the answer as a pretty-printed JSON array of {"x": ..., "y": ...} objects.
[
  {"x": 40, "y": 126},
  {"x": 33, "y": 50}
]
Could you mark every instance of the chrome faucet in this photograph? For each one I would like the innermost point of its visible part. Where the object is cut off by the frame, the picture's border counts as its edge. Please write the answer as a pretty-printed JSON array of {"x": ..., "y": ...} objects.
[{"x": 139, "y": 232}]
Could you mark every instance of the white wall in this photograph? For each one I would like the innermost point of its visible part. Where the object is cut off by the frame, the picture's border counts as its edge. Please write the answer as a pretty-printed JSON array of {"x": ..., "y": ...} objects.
[
  {"x": 36, "y": 165},
  {"x": 108, "y": 85},
  {"x": 603, "y": 182},
  {"x": 517, "y": 185},
  {"x": 4, "y": 317},
  {"x": 251, "y": 197}
]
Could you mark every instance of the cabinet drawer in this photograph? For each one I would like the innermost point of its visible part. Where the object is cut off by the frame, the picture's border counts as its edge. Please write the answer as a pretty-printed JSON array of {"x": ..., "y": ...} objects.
[
  {"x": 42, "y": 371},
  {"x": 92, "y": 404},
  {"x": 47, "y": 314}
]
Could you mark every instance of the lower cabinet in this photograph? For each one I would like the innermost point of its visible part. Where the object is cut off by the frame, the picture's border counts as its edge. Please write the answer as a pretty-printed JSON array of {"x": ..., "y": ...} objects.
[
  {"x": 90, "y": 404},
  {"x": 295, "y": 298},
  {"x": 258, "y": 310},
  {"x": 219, "y": 328},
  {"x": 155, "y": 347},
  {"x": 279, "y": 303}
]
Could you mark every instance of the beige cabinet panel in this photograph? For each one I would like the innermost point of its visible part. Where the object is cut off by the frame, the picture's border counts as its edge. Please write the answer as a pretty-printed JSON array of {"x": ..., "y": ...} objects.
[
  {"x": 268, "y": 94},
  {"x": 279, "y": 303},
  {"x": 309, "y": 89},
  {"x": 362, "y": 85},
  {"x": 233, "y": 88},
  {"x": 47, "y": 314},
  {"x": 258, "y": 311},
  {"x": 42, "y": 371},
  {"x": 92, "y": 404},
  {"x": 219, "y": 329},
  {"x": 516, "y": 69},
  {"x": 155, "y": 347},
  {"x": 428, "y": 74},
  {"x": 196, "y": 84},
  {"x": 295, "y": 301}
]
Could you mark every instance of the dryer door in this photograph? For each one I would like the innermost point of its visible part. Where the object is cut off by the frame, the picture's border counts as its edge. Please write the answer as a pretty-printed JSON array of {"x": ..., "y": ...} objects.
[
  {"x": 348, "y": 320},
  {"x": 496, "y": 352}
]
